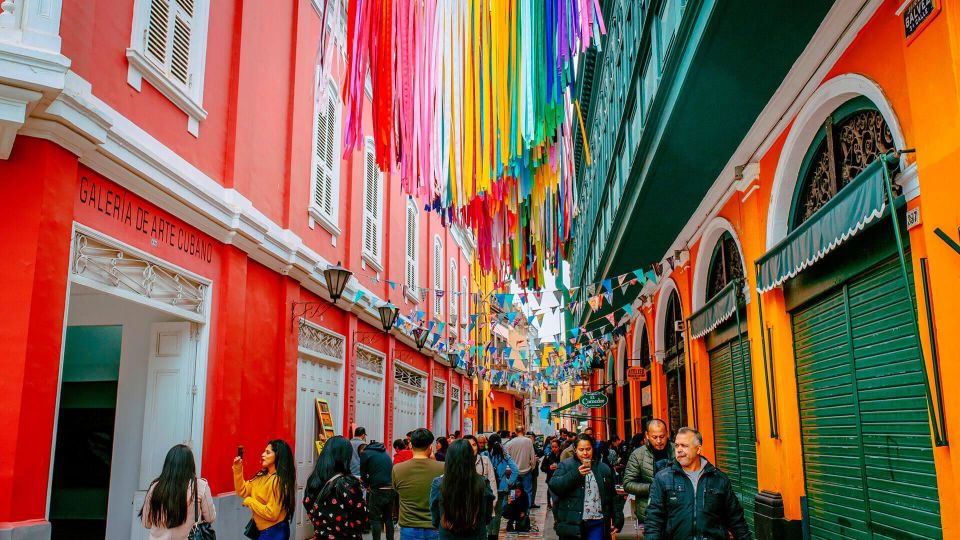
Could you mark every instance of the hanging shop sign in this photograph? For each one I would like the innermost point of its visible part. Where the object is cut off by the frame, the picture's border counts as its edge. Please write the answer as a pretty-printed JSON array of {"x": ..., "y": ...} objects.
[
  {"x": 593, "y": 400},
  {"x": 636, "y": 374},
  {"x": 470, "y": 411},
  {"x": 917, "y": 16}
]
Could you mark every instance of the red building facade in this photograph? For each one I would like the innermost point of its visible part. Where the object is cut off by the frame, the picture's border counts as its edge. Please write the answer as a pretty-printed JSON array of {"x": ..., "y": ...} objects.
[{"x": 175, "y": 187}]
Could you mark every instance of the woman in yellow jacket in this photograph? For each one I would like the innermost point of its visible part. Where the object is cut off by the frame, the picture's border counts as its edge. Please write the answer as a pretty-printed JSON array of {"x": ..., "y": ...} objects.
[{"x": 271, "y": 493}]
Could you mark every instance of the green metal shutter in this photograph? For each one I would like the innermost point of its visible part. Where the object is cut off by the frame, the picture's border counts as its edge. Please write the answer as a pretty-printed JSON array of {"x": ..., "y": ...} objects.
[
  {"x": 867, "y": 453},
  {"x": 733, "y": 420}
]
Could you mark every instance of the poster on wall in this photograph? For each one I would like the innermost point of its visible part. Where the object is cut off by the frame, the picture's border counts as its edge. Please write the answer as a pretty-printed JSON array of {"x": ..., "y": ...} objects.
[
  {"x": 645, "y": 397},
  {"x": 325, "y": 420},
  {"x": 468, "y": 426}
]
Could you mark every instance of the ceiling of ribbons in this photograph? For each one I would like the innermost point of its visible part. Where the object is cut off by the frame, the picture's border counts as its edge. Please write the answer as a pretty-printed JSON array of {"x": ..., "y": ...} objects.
[{"x": 473, "y": 111}]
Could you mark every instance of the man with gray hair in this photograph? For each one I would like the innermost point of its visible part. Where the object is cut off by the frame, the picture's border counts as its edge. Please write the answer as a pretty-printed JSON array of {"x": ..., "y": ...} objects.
[
  {"x": 644, "y": 462},
  {"x": 692, "y": 499}
]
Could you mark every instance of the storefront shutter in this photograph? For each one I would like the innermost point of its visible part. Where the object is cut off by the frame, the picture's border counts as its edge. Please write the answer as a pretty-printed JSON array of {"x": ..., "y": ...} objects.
[{"x": 867, "y": 451}]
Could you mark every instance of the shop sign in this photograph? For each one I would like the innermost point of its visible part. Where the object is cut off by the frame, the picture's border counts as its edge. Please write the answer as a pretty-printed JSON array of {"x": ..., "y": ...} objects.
[
  {"x": 636, "y": 374},
  {"x": 917, "y": 15},
  {"x": 593, "y": 400},
  {"x": 470, "y": 411}
]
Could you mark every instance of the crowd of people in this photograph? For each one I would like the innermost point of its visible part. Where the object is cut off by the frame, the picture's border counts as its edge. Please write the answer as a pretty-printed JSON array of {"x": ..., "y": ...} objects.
[{"x": 464, "y": 488}]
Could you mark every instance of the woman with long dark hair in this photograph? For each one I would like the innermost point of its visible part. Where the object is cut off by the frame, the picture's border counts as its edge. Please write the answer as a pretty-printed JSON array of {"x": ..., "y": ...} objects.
[
  {"x": 442, "y": 444},
  {"x": 507, "y": 473},
  {"x": 460, "y": 500},
  {"x": 333, "y": 497},
  {"x": 484, "y": 466},
  {"x": 169, "y": 509},
  {"x": 271, "y": 493}
]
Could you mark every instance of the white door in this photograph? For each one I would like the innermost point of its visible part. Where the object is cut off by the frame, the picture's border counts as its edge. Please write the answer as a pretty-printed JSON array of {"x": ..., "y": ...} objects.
[
  {"x": 315, "y": 379},
  {"x": 410, "y": 410},
  {"x": 169, "y": 400},
  {"x": 439, "y": 417},
  {"x": 370, "y": 406}
]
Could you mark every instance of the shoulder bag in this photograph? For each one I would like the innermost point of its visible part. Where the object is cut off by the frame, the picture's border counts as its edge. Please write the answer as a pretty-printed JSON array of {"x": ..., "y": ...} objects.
[{"x": 201, "y": 529}]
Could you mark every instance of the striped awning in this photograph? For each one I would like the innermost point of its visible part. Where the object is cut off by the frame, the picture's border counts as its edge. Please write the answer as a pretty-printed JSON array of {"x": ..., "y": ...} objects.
[
  {"x": 717, "y": 310},
  {"x": 850, "y": 211}
]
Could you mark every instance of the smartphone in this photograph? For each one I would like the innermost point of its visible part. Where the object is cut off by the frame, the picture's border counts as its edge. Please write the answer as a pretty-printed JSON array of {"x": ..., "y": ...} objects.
[{"x": 240, "y": 452}]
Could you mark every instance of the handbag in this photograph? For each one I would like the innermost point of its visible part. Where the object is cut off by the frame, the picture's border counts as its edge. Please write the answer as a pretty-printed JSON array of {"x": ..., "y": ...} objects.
[{"x": 201, "y": 529}]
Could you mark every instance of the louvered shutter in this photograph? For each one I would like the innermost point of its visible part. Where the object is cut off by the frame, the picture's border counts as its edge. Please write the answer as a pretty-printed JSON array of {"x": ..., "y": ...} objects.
[
  {"x": 464, "y": 298},
  {"x": 324, "y": 176},
  {"x": 411, "y": 264},
  {"x": 168, "y": 35},
  {"x": 371, "y": 207},
  {"x": 438, "y": 277},
  {"x": 452, "y": 291}
]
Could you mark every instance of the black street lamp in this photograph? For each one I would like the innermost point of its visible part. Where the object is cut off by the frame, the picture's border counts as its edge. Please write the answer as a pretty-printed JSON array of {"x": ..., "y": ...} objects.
[
  {"x": 337, "y": 278},
  {"x": 420, "y": 336},
  {"x": 388, "y": 316}
]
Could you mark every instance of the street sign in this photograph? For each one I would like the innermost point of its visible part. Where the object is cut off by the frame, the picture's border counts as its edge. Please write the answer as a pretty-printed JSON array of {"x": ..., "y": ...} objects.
[
  {"x": 593, "y": 400},
  {"x": 636, "y": 374},
  {"x": 470, "y": 411}
]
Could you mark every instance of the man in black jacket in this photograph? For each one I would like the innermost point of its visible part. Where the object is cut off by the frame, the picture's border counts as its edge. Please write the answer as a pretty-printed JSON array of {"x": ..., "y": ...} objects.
[
  {"x": 550, "y": 463},
  {"x": 692, "y": 498},
  {"x": 586, "y": 504},
  {"x": 376, "y": 471}
]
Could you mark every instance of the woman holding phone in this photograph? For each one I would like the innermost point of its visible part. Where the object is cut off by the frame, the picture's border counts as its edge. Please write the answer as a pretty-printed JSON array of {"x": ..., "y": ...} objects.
[
  {"x": 271, "y": 493},
  {"x": 586, "y": 505}
]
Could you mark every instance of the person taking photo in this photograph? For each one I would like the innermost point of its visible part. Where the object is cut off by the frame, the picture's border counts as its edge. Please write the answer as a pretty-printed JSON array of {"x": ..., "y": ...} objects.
[
  {"x": 587, "y": 504},
  {"x": 271, "y": 493}
]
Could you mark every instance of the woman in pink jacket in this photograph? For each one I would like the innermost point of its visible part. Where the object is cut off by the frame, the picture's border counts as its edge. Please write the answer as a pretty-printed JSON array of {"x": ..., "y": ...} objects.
[{"x": 168, "y": 511}]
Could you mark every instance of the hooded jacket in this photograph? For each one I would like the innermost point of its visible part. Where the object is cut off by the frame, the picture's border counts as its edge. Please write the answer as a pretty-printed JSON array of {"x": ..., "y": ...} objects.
[
  {"x": 676, "y": 512},
  {"x": 376, "y": 467}
]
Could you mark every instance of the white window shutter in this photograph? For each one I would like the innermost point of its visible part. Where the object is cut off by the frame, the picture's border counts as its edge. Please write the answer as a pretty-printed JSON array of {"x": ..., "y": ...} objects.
[
  {"x": 452, "y": 291},
  {"x": 411, "y": 266},
  {"x": 464, "y": 300},
  {"x": 167, "y": 39},
  {"x": 371, "y": 206},
  {"x": 438, "y": 276},
  {"x": 180, "y": 53},
  {"x": 157, "y": 31}
]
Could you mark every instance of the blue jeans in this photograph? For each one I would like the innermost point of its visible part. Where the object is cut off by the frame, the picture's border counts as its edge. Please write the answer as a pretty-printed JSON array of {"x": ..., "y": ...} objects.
[
  {"x": 280, "y": 531},
  {"x": 593, "y": 529},
  {"x": 414, "y": 533},
  {"x": 526, "y": 482}
]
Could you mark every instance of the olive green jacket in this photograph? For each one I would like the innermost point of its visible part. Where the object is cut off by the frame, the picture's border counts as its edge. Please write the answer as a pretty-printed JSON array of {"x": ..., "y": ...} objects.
[{"x": 638, "y": 476}]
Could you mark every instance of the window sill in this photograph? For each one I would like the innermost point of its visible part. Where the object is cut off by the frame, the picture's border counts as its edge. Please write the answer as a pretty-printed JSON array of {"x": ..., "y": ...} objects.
[
  {"x": 141, "y": 67},
  {"x": 372, "y": 261},
  {"x": 412, "y": 296},
  {"x": 324, "y": 221}
]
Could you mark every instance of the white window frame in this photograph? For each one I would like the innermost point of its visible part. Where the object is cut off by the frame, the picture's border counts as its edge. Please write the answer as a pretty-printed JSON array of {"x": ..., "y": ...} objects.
[
  {"x": 373, "y": 259},
  {"x": 464, "y": 300},
  {"x": 454, "y": 299},
  {"x": 187, "y": 98},
  {"x": 331, "y": 221},
  {"x": 412, "y": 288},
  {"x": 437, "y": 277}
]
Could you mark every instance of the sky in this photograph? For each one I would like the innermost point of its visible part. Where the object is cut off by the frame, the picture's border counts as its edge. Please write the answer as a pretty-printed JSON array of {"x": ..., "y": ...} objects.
[{"x": 552, "y": 322}]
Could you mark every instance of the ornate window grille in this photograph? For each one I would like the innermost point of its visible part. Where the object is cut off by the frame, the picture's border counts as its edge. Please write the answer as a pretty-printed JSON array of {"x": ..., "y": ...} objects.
[
  {"x": 114, "y": 266},
  {"x": 370, "y": 360},
  {"x": 725, "y": 265},
  {"x": 848, "y": 143},
  {"x": 439, "y": 388},
  {"x": 408, "y": 377},
  {"x": 316, "y": 340},
  {"x": 455, "y": 393}
]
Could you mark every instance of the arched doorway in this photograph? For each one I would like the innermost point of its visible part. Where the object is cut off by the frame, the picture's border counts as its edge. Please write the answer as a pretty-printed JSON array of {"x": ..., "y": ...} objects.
[
  {"x": 644, "y": 392},
  {"x": 731, "y": 382},
  {"x": 674, "y": 363},
  {"x": 865, "y": 434}
]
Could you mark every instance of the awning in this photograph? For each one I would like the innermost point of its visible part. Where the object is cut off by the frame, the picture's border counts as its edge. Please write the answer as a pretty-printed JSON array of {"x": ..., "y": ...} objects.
[
  {"x": 717, "y": 310},
  {"x": 570, "y": 405},
  {"x": 856, "y": 205}
]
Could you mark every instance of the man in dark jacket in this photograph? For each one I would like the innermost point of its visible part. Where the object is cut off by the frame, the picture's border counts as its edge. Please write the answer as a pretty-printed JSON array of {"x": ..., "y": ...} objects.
[
  {"x": 376, "y": 471},
  {"x": 586, "y": 504},
  {"x": 692, "y": 498},
  {"x": 550, "y": 463},
  {"x": 644, "y": 462}
]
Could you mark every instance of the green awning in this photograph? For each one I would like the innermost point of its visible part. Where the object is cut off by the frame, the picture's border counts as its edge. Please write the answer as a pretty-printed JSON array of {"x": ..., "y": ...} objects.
[
  {"x": 715, "y": 311},
  {"x": 570, "y": 405},
  {"x": 856, "y": 205}
]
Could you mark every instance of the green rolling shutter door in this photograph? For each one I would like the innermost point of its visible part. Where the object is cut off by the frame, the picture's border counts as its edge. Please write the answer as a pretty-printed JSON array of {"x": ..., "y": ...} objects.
[
  {"x": 733, "y": 420},
  {"x": 867, "y": 453}
]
